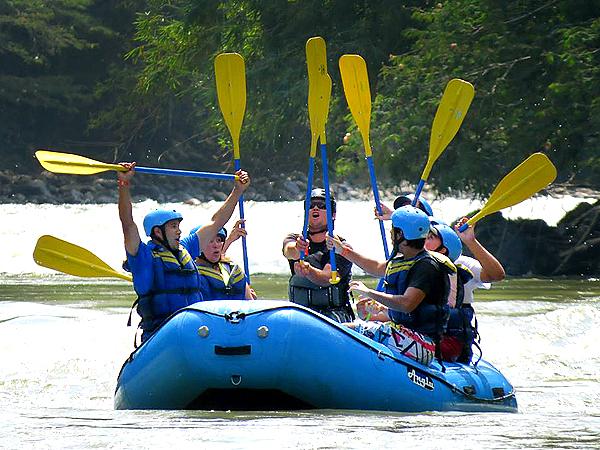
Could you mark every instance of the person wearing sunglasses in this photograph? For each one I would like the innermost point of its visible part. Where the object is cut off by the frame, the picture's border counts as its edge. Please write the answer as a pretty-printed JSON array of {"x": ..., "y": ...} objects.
[{"x": 310, "y": 281}]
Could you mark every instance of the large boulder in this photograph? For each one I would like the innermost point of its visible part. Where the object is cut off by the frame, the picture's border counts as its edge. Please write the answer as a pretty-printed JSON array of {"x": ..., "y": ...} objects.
[
  {"x": 524, "y": 247},
  {"x": 580, "y": 229}
]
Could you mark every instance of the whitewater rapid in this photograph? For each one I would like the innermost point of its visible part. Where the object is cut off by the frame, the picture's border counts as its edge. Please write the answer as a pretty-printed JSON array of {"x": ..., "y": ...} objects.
[{"x": 97, "y": 227}]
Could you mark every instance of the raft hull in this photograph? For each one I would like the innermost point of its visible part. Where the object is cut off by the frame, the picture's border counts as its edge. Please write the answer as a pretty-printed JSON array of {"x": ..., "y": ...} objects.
[{"x": 275, "y": 355}]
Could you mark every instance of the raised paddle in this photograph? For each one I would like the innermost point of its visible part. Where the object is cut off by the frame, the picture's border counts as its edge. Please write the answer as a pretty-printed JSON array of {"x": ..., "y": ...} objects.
[
  {"x": 449, "y": 116},
  {"x": 316, "y": 59},
  {"x": 528, "y": 178},
  {"x": 80, "y": 165},
  {"x": 358, "y": 95},
  {"x": 319, "y": 94},
  {"x": 71, "y": 259},
  {"x": 230, "y": 74}
]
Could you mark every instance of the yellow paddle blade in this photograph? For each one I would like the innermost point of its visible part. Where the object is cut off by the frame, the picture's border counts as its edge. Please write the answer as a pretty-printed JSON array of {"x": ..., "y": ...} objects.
[
  {"x": 358, "y": 94},
  {"x": 449, "y": 116},
  {"x": 319, "y": 90},
  {"x": 230, "y": 72},
  {"x": 529, "y": 177},
  {"x": 73, "y": 164},
  {"x": 65, "y": 257}
]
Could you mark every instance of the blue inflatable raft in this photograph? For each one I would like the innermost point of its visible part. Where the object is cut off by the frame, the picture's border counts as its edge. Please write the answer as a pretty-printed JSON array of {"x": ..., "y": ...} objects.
[{"x": 275, "y": 355}]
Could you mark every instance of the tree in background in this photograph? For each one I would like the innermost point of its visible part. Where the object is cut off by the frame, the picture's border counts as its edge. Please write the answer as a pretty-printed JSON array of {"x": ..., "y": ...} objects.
[
  {"x": 179, "y": 40},
  {"x": 52, "y": 55},
  {"x": 535, "y": 67},
  {"x": 73, "y": 78}
]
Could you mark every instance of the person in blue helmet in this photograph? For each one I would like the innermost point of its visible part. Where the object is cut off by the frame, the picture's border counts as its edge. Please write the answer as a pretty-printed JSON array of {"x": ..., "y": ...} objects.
[
  {"x": 224, "y": 279},
  {"x": 416, "y": 288},
  {"x": 486, "y": 269},
  {"x": 165, "y": 277},
  {"x": 458, "y": 339}
]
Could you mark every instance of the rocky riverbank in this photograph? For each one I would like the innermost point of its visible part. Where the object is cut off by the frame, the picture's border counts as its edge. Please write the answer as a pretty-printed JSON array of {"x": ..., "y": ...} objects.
[{"x": 57, "y": 189}]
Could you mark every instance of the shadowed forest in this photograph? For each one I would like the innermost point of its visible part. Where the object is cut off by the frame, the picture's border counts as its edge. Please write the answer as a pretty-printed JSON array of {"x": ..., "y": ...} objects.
[{"x": 134, "y": 80}]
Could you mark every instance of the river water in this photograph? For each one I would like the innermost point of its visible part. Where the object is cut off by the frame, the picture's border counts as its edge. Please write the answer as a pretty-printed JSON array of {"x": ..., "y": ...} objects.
[{"x": 63, "y": 340}]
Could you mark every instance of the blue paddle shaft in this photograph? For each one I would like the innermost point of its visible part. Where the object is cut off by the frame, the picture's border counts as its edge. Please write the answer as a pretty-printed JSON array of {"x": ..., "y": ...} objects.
[
  {"x": 463, "y": 227},
  {"x": 418, "y": 192},
  {"x": 238, "y": 165},
  {"x": 377, "y": 204},
  {"x": 185, "y": 173},
  {"x": 328, "y": 203},
  {"x": 311, "y": 172}
]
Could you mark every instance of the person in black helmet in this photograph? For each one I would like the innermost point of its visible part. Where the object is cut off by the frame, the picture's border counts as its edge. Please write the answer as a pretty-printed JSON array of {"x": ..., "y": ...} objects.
[
  {"x": 165, "y": 277},
  {"x": 403, "y": 200},
  {"x": 310, "y": 281}
]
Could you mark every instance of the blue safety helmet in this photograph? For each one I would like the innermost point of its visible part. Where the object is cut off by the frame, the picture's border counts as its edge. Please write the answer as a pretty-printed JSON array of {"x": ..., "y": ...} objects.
[
  {"x": 435, "y": 221},
  {"x": 407, "y": 199},
  {"x": 413, "y": 222},
  {"x": 449, "y": 239},
  {"x": 222, "y": 232},
  {"x": 158, "y": 218}
]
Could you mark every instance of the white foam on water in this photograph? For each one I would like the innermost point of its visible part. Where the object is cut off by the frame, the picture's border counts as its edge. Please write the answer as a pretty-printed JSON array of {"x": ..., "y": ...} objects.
[{"x": 97, "y": 227}]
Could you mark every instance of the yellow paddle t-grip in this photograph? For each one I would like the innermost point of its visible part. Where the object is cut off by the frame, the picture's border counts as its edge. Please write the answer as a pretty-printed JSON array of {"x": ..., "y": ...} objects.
[{"x": 335, "y": 278}]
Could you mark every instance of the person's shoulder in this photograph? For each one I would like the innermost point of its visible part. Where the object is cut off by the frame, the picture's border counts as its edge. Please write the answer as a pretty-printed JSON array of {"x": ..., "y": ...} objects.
[
  {"x": 467, "y": 261},
  {"x": 427, "y": 263},
  {"x": 191, "y": 243},
  {"x": 143, "y": 249}
]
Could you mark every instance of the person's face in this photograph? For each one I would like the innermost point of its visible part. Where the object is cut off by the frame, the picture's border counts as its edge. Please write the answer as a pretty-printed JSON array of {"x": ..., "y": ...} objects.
[
  {"x": 172, "y": 233},
  {"x": 317, "y": 214},
  {"x": 434, "y": 243},
  {"x": 213, "y": 249}
]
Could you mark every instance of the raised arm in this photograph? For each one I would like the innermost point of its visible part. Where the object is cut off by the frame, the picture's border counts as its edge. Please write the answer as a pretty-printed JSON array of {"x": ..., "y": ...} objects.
[
  {"x": 131, "y": 234},
  {"x": 237, "y": 231},
  {"x": 491, "y": 269},
  {"x": 224, "y": 213}
]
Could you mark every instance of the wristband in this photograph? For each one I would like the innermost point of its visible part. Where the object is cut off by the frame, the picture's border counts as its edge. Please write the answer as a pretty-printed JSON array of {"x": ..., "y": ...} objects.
[{"x": 122, "y": 183}]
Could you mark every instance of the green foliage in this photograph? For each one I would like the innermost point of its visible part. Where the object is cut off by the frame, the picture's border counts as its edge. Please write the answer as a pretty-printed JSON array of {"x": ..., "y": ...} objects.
[
  {"x": 535, "y": 70},
  {"x": 51, "y": 56},
  {"x": 134, "y": 80},
  {"x": 178, "y": 42}
]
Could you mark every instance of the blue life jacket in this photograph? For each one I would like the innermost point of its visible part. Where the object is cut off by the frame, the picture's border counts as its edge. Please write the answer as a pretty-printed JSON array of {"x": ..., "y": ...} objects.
[
  {"x": 175, "y": 284},
  {"x": 224, "y": 281},
  {"x": 431, "y": 315}
]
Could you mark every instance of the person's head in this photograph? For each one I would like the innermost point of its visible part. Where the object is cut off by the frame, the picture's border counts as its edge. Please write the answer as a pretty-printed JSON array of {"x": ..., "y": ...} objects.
[
  {"x": 443, "y": 239},
  {"x": 212, "y": 250},
  {"x": 406, "y": 199},
  {"x": 162, "y": 225},
  {"x": 317, "y": 215},
  {"x": 410, "y": 226}
]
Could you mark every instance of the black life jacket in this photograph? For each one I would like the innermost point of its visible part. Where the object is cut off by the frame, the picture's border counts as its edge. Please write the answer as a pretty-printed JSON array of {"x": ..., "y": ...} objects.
[
  {"x": 427, "y": 318},
  {"x": 460, "y": 322},
  {"x": 306, "y": 293}
]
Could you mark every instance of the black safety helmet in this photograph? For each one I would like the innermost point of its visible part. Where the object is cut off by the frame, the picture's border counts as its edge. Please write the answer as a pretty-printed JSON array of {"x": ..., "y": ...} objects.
[
  {"x": 406, "y": 199},
  {"x": 320, "y": 193}
]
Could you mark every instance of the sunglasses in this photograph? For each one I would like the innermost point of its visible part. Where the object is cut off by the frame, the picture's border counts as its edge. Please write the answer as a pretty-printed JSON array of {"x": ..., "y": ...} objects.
[{"x": 318, "y": 205}]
